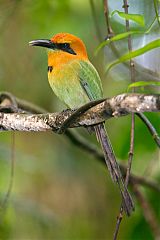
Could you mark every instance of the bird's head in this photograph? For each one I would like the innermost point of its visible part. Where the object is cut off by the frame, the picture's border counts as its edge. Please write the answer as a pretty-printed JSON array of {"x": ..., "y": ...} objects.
[{"x": 64, "y": 45}]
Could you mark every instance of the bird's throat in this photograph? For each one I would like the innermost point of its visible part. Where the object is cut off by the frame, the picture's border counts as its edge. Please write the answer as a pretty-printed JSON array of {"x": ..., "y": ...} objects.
[{"x": 58, "y": 58}]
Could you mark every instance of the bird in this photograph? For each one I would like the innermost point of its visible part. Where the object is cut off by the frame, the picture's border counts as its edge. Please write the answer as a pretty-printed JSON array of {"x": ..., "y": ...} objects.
[{"x": 75, "y": 81}]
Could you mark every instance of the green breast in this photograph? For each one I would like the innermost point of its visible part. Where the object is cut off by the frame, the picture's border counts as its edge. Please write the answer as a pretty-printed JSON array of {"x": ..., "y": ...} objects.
[{"x": 76, "y": 83}]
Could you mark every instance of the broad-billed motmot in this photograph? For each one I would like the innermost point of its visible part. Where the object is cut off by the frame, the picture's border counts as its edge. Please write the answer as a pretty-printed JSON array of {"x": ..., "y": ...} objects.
[{"x": 75, "y": 81}]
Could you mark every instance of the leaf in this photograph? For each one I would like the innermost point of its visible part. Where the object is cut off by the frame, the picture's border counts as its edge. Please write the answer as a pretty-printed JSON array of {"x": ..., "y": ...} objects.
[
  {"x": 134, "y": 17},
  {"x": 116, "y": 38},
  {"x": 143, "y": 84},
  {"x": 133, "y": 54},
  {"x": 156, "y": 8},
  {"x": 121, "y": 36},
  {"x": 151, "y": 25}
]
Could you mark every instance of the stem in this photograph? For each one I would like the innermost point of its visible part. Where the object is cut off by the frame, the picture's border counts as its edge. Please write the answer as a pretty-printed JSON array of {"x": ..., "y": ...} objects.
[
  {"x": 98, "y": 31},
  {"x": 106, "y": 14},
  {"x": 131, "y": 150},
  {"x": 148, "y": 212}
]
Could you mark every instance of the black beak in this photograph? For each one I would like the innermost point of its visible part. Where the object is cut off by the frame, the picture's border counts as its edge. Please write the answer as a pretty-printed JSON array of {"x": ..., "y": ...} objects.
[
  {"x": 43, "y": 43},
  {"x": 49, "y": 44}
]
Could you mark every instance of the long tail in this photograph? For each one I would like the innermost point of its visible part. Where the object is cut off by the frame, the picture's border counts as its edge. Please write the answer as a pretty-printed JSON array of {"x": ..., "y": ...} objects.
[{"x": 113, "y": 167}]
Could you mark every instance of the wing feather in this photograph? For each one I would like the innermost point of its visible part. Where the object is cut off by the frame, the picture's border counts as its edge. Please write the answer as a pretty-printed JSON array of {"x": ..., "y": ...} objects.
[{"x": 90, "y": 80}]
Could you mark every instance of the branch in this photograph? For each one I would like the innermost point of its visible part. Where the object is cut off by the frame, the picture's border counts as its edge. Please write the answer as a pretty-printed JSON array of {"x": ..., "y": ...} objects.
[
  {"x": 91, "y": 148},
  {"x": 106, "y": 14},
  {"x": 7, "y": 100},
  {"x": 95, "y": 19},
  {"x": 132, "y": 134},
  {"x": 148, "y": 212},
  {"x": 117, "y": 106},
  {"x": 150, "y": 127}
]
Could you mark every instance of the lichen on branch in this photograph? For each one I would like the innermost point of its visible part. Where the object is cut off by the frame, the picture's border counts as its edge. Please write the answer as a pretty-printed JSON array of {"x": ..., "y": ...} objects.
[{"x": 116, "y": 106}]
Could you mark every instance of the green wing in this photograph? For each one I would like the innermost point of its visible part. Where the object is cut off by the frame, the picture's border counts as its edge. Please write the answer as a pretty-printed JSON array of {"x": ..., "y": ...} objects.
[
  {"x": 90, "y": 80},
  {"x": 76, "y": 83}
]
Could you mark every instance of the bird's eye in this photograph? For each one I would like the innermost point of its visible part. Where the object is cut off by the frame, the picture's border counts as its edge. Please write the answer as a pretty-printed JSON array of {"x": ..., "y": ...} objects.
[{"x": 65, "y": 45}]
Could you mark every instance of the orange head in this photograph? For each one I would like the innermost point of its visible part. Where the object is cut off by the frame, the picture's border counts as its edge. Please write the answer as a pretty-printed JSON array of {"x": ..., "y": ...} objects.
[{"x": 63, "y": 47}]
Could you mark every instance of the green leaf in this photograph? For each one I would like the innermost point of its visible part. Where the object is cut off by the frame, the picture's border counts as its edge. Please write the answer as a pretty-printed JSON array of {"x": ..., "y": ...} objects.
[
  {"x": 121, "y": 36},
  {"x": 116, "y": 38},
  {"x": 151, "y": 25},
  {"x": 133, "y": 54},
  {"x": 143, "y": 84},
  {"x": 156, "y": 8},
  {"x": 134, "y": 17}
]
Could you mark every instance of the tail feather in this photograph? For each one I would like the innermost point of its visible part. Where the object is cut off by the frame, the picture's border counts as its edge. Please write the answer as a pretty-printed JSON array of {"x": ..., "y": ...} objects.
[{"x": 113, "y": 167}]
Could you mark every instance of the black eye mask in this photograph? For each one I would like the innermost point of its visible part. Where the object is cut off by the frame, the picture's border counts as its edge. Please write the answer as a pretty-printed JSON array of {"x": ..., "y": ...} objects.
[{"x": 65, "y": 47}]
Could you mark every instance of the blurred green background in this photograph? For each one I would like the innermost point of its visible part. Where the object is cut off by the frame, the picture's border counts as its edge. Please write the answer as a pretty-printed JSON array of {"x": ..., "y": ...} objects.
[{"x": 59, "y": 191}]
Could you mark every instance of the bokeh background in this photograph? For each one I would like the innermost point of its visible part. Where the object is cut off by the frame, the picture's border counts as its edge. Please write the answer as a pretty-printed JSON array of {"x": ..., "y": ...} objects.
[{"x": 59, "y": 191}]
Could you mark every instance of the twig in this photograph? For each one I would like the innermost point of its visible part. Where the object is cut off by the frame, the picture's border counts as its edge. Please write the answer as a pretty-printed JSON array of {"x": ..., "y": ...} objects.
[
  {"x": 4, "y": 202},
  {"x": 127, "y": 177},
  {"x": 146, "y": 183},
  {"x": 131, "y": 151},
  {"x": 110, "y": 32},
  {"x": 150, "y": 127},
  {"x": 16, "y": 104},
  {"x": 82, "y": 143},
  {"x": 106, "y": 14},
  {"x": 132, "y": 71},
  {"x": 9, "y": 100},
  {"x": 98, "y": 31},
  {"x": 147, "y": 212}
]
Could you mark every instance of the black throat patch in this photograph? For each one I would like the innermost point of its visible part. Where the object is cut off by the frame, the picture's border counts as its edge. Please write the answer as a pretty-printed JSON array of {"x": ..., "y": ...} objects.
[{"x": 50, "y": 68}]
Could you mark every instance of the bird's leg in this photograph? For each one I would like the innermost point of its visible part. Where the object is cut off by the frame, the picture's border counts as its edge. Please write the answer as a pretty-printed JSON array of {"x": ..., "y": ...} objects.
[{"x": 76, "y": 114}]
